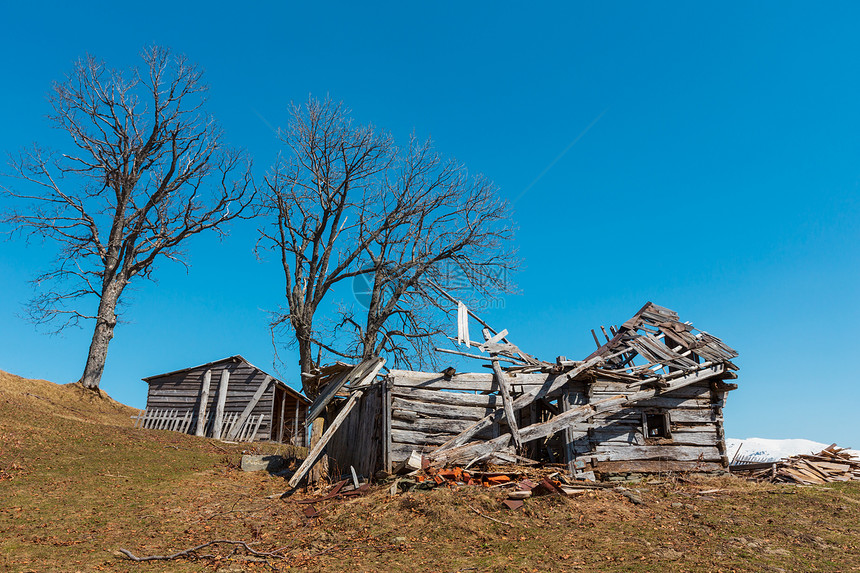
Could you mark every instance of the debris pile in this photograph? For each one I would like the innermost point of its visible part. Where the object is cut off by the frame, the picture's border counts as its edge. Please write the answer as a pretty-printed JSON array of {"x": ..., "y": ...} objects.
[
  {"x": 520, "y": 483},
  {"x": 829, "y": 465}
]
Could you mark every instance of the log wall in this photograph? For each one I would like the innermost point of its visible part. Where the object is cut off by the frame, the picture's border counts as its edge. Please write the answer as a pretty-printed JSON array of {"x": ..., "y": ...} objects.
[{"x": 427, "y": 410}]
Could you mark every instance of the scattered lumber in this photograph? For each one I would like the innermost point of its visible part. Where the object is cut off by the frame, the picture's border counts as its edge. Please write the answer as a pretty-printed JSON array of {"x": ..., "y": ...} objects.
[{"x": 831, "y": 464}]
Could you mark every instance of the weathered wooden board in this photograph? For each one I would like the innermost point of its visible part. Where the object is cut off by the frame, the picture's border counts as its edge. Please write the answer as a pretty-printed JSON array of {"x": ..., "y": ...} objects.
[
  {"x": 686, "y": 415},
  {"x": 432, "y": 425},
  {"x": 447, "y": 397},
  {"x": 467, "y": 381},
  {"x": 439, "y": 410},
  {"x": 664, "y": 401},
  {"x": 610, "y": 451},
  {"x": 418, "y": 439},
  {"x": 474, "y": 451}
]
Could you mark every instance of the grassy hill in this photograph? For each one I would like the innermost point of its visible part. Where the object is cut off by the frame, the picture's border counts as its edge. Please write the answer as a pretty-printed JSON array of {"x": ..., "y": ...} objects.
[{"x": 77, "y": 483}]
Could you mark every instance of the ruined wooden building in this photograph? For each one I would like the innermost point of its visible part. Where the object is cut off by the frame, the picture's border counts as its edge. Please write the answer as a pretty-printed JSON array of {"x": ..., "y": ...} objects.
[
  {"x": 229, "y": 399},
  {"x": 648, "y": 399}
]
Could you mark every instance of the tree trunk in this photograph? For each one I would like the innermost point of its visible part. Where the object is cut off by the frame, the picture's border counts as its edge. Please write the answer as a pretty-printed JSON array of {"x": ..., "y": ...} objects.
[{"x": 102, "y": 335}]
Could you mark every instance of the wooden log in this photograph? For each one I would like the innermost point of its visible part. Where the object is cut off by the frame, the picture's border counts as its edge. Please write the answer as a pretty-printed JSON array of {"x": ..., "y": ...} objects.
[
  {"x": 449, "y": 426},
  {"x": 466, "y": 381},
  {"x": 439, "y": 410},
  {"x": 417, "y": 439},
  {"x": 222, "y": 399},
  {"x": 447, "y": 398},
  {"x": 608, "y": 451},
  {"x": 240, "y": 420}
]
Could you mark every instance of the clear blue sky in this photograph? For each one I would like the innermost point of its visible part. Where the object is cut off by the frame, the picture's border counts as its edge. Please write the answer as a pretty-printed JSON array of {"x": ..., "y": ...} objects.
[{"x": 719, "y": 176}]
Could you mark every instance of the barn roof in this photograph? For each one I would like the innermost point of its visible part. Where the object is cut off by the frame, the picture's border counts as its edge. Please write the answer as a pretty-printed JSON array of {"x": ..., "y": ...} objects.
[{"x": 236, "y": 358}]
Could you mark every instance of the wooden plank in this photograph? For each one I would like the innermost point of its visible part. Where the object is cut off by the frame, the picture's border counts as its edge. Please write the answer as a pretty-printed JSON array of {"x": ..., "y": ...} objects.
[
  {"x": 257, "y": 428},
  {"x": 387, "y": 404},
  {"x": 417, "y": 439},
  {"x": 466, "y": 381},
  {"x": 608, "y": 451},
  {"x": 507, "y": 402},
  {"x": 317, "y": 450},
  {"x": 328, "y": 393},
  {"x": 367, "y": 375},
  {"x": 470, "y": 452},
  {"x": 204, "y": 400},
  {"x": 449, "y": 426},
  {"x": 222, "y": 399},
  {"x": 240, "y": 421},
  {"x": 439, "y": 410},
  {"x": 360, "y": 374},
  {"x": 448, "y": 398}
]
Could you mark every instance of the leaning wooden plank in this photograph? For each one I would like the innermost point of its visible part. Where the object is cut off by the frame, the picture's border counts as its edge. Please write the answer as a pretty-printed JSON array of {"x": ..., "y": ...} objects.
[
  {"x": 222, "y": 400},
  {"x": 467, "y": 453},
  {"x": 317, "y": 450},
  {"x": 204, "y": 400},
  {"x": 240, "y": 422},
  {"x": 507, "y": 402},
  {"x": 253, "y": 435},
  {"x": 358, "y": 373}
]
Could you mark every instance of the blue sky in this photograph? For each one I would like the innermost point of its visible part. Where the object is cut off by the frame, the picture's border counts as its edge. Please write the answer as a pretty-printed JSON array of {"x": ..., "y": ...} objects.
[{"x": 717, "y": 175}]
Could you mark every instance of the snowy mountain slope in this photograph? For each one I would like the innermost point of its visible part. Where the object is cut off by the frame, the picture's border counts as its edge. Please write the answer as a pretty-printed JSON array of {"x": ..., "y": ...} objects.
[{"x": 763, "y": 449}]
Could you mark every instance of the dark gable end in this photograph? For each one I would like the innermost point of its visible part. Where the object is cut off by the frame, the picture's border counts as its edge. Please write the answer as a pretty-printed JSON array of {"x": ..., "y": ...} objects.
[{"x": 278, "y": 413}]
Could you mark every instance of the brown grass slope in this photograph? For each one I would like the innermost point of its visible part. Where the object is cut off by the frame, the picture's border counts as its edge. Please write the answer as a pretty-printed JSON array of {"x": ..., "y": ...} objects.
[{"x": 77, "y": 483}]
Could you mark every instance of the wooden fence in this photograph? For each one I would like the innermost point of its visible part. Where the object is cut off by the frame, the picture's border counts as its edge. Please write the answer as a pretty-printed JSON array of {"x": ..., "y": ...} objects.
[{"x": 182, "y": 420}]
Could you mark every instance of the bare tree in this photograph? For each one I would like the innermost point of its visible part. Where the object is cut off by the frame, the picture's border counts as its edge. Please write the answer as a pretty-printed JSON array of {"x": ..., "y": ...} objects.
[
  {"x": 145, "y": 170},
  {"x": 347, "y": 202}
]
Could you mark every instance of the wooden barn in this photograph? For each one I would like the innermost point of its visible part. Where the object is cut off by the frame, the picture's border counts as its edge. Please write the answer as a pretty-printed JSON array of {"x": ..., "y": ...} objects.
[
  {"x": 229, "y": 399},
  {"x": 648, "y": 399}
]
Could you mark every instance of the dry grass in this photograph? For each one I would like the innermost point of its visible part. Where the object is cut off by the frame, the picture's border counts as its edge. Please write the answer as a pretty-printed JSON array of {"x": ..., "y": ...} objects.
[{"x": 77, "y": 483}]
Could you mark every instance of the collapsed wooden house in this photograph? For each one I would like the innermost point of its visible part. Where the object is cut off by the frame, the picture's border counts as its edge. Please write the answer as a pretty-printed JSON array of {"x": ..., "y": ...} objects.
[
  {"x": 229, "y": 399},
  {"x": 649, "y": 399}
]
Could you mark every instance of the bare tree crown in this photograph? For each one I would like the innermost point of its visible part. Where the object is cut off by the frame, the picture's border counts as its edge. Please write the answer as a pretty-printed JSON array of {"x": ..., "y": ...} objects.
[
  {"x": 346, "y": 201},
  {"x": 145, "y": 169}
]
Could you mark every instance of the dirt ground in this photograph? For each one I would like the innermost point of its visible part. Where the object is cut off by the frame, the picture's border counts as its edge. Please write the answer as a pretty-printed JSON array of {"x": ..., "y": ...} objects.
[{"x": 78, "y": 483}]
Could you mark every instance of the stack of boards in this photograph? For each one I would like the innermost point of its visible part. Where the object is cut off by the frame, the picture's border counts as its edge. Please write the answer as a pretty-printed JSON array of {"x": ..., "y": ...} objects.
[{"x": 829, "y": 465}]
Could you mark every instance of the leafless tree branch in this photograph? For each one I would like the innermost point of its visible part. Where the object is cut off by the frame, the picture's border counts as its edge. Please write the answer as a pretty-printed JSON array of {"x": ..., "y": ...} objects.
[{"x": 145, "y": 170}]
